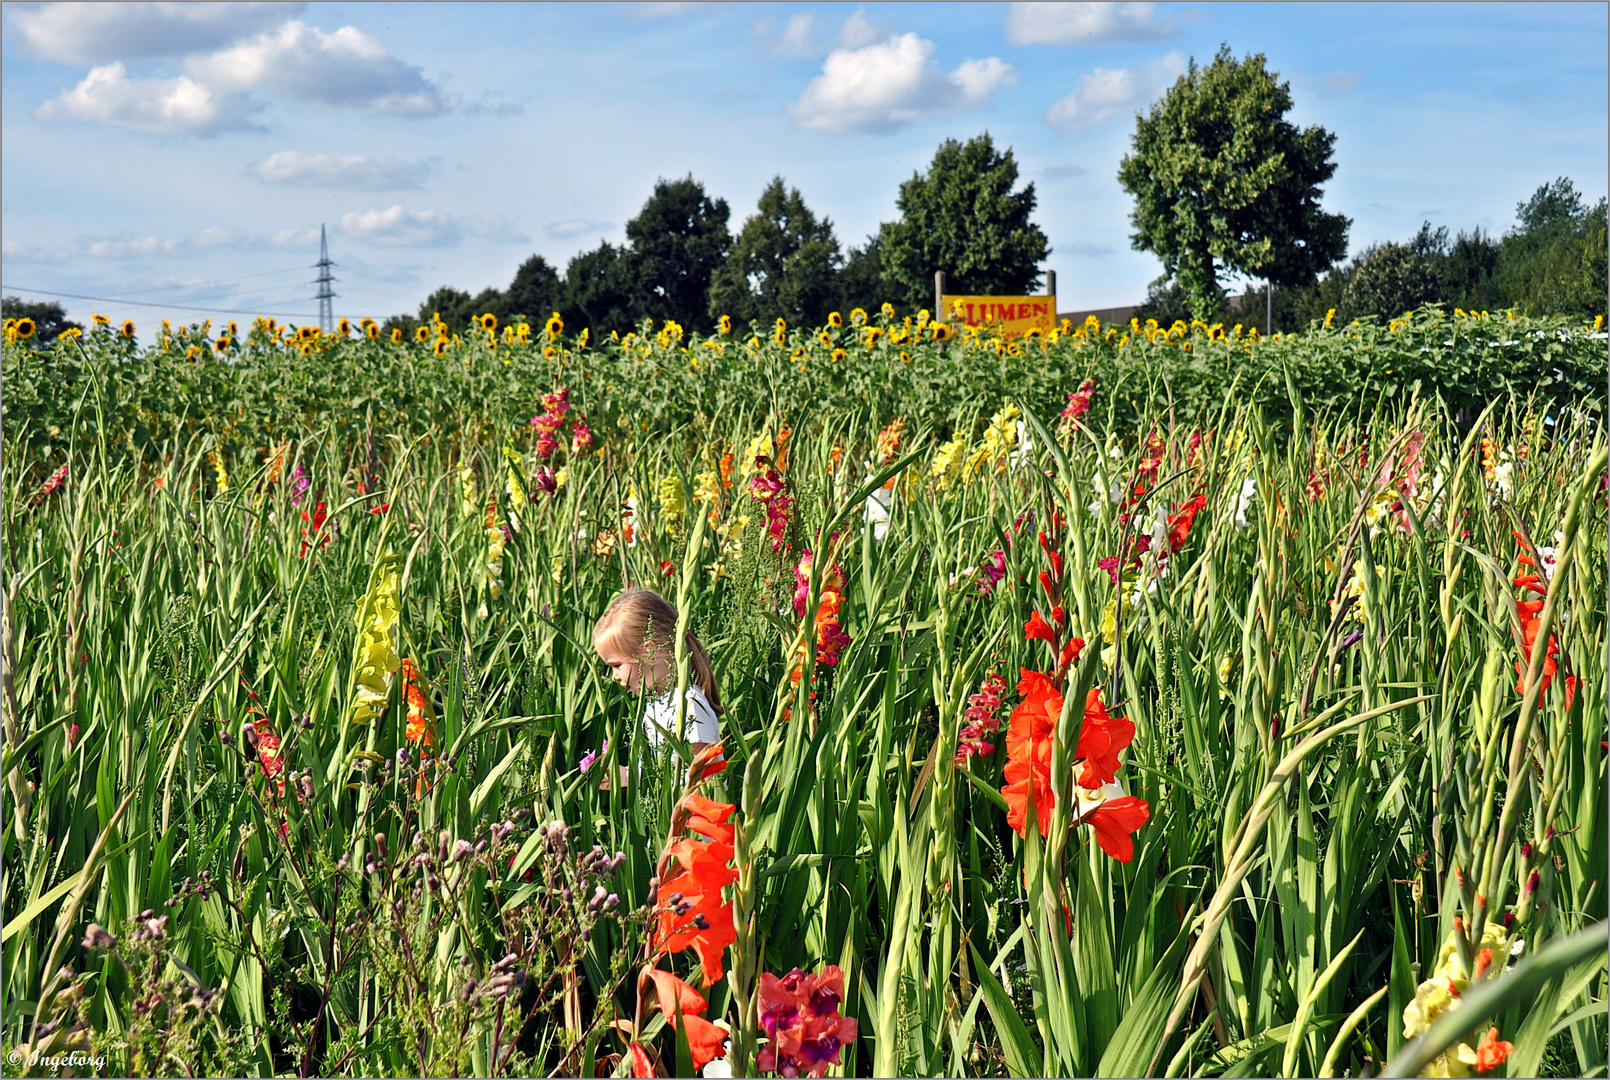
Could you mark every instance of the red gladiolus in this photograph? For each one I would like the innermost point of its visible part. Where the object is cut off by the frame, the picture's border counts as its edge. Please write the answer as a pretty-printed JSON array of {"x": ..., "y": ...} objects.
[
  {"x": 319, "y": 534},
  {"x": 706, "y": 1041},
  {"x": 267, "y": 745},
  {"x": 1037, "y": 627},
  {"x": 1114, "y": 821},
  {"x": 1179, "y": 522},
  {"x": 642, "y": 1064},
  {"x": 1101, "y": 739},
  {"x": 1028, "y": 748}
]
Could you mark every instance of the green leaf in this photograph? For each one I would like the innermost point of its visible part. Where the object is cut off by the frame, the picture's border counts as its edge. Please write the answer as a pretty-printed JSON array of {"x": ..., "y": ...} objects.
[{"x": 1023, "y": 1057}]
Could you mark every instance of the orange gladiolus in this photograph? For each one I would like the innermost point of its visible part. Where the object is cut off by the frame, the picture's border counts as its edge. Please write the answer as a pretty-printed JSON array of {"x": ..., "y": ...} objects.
[
  {"x": 1492, "y": 1051},
  {"x": 692, "y": 914}
]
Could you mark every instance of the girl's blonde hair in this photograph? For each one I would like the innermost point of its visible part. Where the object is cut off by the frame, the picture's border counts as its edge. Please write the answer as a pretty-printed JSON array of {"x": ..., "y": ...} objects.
[{"x": 641, "y": 619}]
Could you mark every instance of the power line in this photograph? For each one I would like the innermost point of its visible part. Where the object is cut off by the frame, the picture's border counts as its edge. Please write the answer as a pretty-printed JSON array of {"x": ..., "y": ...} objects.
[
  {"x": 217, "y": 281},
  {"x": 143, "y": 303}
]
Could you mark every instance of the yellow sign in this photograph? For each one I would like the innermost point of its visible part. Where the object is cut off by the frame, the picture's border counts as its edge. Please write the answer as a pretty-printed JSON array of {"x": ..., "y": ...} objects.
[{"x": 1007, "y": 315}]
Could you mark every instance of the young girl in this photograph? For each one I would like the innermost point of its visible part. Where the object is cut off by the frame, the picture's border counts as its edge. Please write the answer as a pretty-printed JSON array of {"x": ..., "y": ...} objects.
[{"x": 634, "y": 637}]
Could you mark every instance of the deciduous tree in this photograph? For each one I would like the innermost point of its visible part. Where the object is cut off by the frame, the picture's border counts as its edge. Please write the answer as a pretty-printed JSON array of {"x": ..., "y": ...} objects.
[
  {"x": 783, "y": 264},
  {"x": 1224, "y": 183}
]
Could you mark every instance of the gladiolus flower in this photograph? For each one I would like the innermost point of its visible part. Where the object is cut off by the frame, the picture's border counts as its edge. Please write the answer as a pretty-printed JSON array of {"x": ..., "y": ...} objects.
[
  {"x": 1492, "y": 1051},
  {"x": 800, "y": 1014}
]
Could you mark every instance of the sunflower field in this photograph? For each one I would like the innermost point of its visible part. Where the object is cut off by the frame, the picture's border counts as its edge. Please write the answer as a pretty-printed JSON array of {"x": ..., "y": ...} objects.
[{"x": 1128, "y": 701}]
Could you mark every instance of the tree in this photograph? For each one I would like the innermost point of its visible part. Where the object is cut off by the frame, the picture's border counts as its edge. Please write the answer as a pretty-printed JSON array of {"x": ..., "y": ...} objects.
[
  {"x": 49, "y": 317},
  {"x": 864, "y": 283},
  {"x": 1388, "y": 280},
  {"x": 534, "y": 292},
  {"x": 677, "y": 241},
  {"x": 598, "y": 290},
  {"x": 783, "y": 264},
  {"x": 963, "y": 217},
  {"x": 1223, "y": 183},
  {"x": 1554, "y": 261}
]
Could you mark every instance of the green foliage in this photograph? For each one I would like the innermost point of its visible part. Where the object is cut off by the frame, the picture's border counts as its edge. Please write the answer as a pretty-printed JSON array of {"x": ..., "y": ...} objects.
[
  {"x": 677, "y": 241},
  {"x": 1224, "y": 183},
  {"x": 963, "y": 217},
  {"x": 534, "y": 293},
  {"x": 782, "y": 264}
]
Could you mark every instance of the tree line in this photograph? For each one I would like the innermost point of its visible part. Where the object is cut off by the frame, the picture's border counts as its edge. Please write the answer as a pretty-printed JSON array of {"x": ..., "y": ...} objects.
[{"x": 680, "y": 261}]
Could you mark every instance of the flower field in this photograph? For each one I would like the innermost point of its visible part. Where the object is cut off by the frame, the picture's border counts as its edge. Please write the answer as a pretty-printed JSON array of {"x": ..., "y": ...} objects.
[{"x": 1130, "y": 701}]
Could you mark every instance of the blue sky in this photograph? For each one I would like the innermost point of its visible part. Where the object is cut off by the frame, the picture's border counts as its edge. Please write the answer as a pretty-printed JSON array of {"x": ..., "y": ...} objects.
[{"x": 187, "y": 154}]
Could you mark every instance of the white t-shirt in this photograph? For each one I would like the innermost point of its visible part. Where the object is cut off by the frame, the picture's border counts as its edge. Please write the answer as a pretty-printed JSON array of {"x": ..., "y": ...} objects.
[{"x": 700, "y": 724}]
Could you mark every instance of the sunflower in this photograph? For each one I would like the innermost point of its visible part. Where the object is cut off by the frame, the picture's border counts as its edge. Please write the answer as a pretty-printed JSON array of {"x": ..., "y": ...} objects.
[
  {"x": 366, "y": 322},
  {"x": 100, "y": 320},
  {"x": 222, "y": 344},
  {"x": 373, "y": 330},
  {"x": 781, "y": 333},
  {"x": 25, "y": 328},
  {"x": 233, "y": 332},
  {"x": 128, "y": 328},
  {"x": 835, "y": 320},
  {"x": 549, "y": 352},
  {"x": 941, "y": 332},
  {"x": 839, "y": 354},
  {"x": 191, "y": 352},
  {"x": 825, "y": 338},
  {"x": 396, "y": 335},
  {"x": 724, "y": 325},
  {"x": 887, "y": 310},
  {"x": 555, "y": 327},
  {"x": 305, "y": 349},
  {"x": 343, "y": 328},
  {"x": 489, "y": 321},
  {"x": 797, "y": 355},
  {"x": 905, "y": 357},
  {"x": 872, "y": 336},
  {"x": 307, "y": 333},
  {"x": 857, "y": 317},
  {"x": 441, "y": 346},
  {"x": 522, "y": 333},
  {"x": 581, "y": 340},
  {"x": 422, "y": 332}
]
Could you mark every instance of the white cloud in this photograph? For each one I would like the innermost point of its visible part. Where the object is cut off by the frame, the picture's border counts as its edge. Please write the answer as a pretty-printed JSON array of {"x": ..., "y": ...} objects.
[
  {"x": 180, "y": 106},
  {"x": 1339, "y": 83},
  {"x": 565, "y": 230},
  {"x": 1083, "y": 24},
  {"x": 396, "y": 227},
  {"x": 295, "y": 238},
  {"x": 19, "y": 252},
  {"x": 132, "y": 245},
  {"x": 859, "y": 31},
  {"x": 798, "y": 38},
  {"x": 1109, "y": 92},
  {"x": 98, "y": 33},
  {"x": 353, "y": 173},
  {"x": 346, "y": 69},
  {"x": 886, "y": 86}
]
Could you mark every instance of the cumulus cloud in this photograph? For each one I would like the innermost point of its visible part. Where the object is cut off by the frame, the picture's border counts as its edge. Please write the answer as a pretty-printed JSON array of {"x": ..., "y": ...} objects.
[
  {"x": 353, "y": 173},
  {"x": 98, "y": 33},
  {"x": 346, "y": 69},
  {"x": 1109, "y": 92},
  {"x": 295, "y": 238},
  {"x": 859, "y": 31},
  {"x": 1083, "y": 24},
  {"x": 397, "y": 227},
  {"x": 566, "y": 230},
  {"x": 885, "y": 86},
  {"x": 180, "y": 106}
]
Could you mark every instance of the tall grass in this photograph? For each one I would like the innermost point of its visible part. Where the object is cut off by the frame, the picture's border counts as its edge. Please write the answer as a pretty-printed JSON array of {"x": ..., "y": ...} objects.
[{"x": 1341, "y": 773}]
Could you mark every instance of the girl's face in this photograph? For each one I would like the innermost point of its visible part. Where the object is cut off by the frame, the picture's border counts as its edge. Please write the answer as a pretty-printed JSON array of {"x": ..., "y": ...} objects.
[{"x": 628, "y": 671}]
